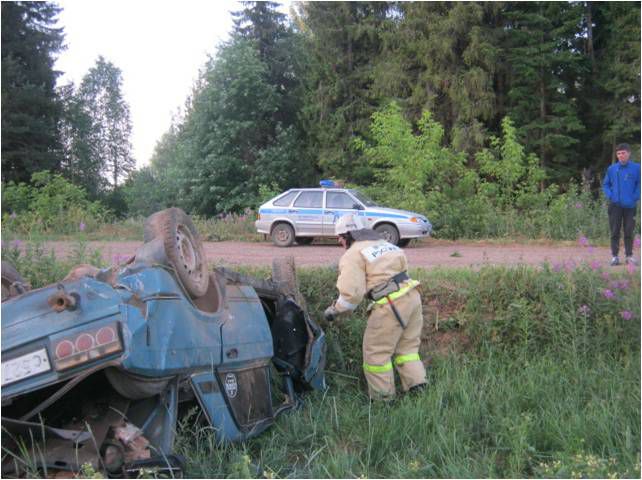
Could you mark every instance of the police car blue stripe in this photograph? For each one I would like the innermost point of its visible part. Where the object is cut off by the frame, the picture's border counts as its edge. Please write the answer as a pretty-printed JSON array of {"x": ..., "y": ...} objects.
[
  {"x": 308, "y": 211},
  {"x": 273, "y": 210},
  {"x": 387, "y": 215}
]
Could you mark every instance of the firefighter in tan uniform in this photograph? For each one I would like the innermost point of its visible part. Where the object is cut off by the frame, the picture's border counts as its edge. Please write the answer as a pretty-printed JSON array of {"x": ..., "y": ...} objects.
[{"x": 376, "y": 269}]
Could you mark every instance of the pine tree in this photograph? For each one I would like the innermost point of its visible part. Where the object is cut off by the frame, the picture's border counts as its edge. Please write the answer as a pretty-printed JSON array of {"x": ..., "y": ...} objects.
[
  {"x": 615, "y": 103},
  {"x": 30, "y": 109},
  {"x": 545, "y": 64},
  {"x": 343, "y": 44},
  {"x": 444, "y": 57}
]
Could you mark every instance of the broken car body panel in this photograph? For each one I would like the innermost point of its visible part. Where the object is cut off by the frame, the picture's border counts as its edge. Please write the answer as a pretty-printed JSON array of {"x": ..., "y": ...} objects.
[{"x": 132, "y": 340}]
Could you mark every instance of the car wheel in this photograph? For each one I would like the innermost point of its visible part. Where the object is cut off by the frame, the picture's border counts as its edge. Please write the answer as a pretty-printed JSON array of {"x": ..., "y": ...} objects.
[
  {"x": 10, "y": 276},
  {"x": 183, "y": 247},
  {"x": 304, "y": 240},
  {"x": 152, "y": 226},
  {"x": 283, "y": 235},
  {"x": 388, "y": 232},
  {"x": 133, "y": 386},
  {"x": 404, "y": 242}
]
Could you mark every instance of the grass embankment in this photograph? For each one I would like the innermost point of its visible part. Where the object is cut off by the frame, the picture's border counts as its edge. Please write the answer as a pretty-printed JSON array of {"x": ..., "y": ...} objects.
[{"x": 533, "y": 373}]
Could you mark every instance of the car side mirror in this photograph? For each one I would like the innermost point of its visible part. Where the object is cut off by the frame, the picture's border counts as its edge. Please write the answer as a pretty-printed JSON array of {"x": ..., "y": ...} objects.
[{"x": 357, "y": 206}]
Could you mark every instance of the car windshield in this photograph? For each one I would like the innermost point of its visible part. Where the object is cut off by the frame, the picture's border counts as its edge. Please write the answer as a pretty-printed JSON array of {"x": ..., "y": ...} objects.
[{"x": 363, "y": 199}]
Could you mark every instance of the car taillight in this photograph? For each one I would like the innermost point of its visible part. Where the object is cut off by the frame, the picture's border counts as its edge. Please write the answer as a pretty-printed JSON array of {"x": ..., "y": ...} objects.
[{"x": 86, "y": 346}]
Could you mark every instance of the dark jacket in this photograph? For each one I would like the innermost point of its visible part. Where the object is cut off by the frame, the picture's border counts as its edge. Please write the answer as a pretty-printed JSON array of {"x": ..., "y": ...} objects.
[{"x": 621, "y": 184}]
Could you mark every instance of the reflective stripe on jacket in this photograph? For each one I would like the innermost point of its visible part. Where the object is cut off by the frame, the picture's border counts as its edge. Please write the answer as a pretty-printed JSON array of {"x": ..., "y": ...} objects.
[{"x": 409, "y": 285}]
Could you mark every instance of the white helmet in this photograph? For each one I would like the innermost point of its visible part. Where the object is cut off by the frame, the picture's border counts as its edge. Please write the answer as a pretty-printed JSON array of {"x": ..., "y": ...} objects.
[{"x": 348, "y": 223}]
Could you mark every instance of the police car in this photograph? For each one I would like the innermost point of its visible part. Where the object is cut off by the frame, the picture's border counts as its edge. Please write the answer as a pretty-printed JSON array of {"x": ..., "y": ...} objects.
[{"x": 301, "y": 214}]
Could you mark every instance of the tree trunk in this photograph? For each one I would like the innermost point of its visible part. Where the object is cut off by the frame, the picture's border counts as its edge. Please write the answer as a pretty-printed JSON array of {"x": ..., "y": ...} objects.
[
  {"x": 542, "y": 114},
  {"x": 589, "y": 32}
]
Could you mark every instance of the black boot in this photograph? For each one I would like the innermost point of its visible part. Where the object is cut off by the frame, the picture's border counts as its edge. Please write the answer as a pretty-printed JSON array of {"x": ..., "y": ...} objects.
[{"x": 416, "y": 389}]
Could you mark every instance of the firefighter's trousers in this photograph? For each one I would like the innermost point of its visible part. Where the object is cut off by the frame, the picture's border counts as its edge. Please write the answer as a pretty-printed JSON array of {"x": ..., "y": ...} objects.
[{"x": 386, "y": 343}]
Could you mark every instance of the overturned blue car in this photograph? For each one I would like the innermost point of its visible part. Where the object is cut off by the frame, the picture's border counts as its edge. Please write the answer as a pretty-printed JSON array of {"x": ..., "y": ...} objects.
[{"x": 97, "y": 368}]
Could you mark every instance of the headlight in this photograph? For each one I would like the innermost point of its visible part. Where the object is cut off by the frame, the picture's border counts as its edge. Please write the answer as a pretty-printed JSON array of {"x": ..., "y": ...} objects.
[{"x": 86, "y": 346}]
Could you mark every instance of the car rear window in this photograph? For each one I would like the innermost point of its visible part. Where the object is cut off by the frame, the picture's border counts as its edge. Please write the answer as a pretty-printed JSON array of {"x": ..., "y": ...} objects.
[
  {"x": 309, "y": 200},
  {"x": 339, "y": 200},
  {"x": 286, "y": 199}
]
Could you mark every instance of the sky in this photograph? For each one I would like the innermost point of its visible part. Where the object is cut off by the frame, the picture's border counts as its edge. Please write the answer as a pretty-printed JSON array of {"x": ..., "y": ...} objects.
[{"x": 159, "y": 46}]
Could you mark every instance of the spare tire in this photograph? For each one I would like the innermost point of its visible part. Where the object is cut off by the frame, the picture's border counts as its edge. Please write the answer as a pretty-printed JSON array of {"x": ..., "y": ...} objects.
[
  {"x": 10, "y": 276},
  {"x": 183, "y": 247}
]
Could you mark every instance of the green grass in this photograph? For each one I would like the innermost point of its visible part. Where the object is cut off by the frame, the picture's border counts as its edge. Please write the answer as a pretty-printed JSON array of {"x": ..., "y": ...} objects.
[
  {"x": 533, "y": 373},
  {"x": 483, "y": 416}
]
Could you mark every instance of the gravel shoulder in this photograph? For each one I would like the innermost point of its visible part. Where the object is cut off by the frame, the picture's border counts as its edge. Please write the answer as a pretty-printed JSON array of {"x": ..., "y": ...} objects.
[{"x": 425, "y": 255}]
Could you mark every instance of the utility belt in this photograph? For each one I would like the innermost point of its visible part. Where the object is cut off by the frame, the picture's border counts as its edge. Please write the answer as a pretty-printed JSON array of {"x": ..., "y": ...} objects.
[{"x": 392, "y": 289}]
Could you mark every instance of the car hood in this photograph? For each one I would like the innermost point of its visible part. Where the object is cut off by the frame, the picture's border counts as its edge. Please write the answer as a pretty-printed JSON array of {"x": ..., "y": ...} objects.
[{"x": 29, "y": 317}]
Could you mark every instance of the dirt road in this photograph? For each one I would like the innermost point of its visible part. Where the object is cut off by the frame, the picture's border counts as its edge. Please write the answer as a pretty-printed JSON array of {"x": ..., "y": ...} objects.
[{"x": 427, "y": 255}]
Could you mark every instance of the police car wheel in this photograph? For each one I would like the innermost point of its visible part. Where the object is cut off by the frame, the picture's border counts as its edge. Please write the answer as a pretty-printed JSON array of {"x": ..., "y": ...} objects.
[
  {"x": 283, "y": 235},
  {"x": 388, "y": 232}
]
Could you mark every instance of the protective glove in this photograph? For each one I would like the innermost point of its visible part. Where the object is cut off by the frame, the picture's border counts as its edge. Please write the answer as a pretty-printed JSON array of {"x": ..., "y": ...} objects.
[{"x": 330, "y": 313}]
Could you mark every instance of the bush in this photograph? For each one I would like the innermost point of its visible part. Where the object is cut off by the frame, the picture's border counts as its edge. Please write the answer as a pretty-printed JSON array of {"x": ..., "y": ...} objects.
[
  {"x": 51, "y": 204},
  {"x": 499, "y": 196}
]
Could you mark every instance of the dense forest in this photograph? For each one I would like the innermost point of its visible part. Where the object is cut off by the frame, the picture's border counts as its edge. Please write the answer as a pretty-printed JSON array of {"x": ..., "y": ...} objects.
[{"x": 421, "y": 103}]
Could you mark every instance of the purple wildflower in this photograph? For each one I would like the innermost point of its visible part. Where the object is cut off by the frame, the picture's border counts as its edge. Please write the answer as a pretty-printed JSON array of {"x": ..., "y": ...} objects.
[
  {"x": 583, "y": 241},
  {"x": 578, "y": 205},
  {"x": 608, "y": 293},
  {"x": 605, "y": 275},
  {"x": 595, "y": 265},
  {"x": 557, "y": 267},
  {"x": 82, "y": 226},
  {"x": 630, "y": 268},
  {"x": 569, "y": 266},
  {"x": 626, "y": 314},
  {"x": 584, "y": 310},
  {"x": 617, "y": 285},
  {"x": 636, "y": 242}
]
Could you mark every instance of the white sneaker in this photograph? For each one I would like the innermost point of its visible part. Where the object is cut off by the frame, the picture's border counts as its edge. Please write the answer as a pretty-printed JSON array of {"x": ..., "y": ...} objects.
[{"x": 615, "y": 261}]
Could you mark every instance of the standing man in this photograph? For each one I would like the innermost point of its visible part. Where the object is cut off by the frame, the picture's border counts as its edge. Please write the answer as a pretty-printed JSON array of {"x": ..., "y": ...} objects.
[
  {"x": 375, "y": 268},
  {"x": 622, "y": 188}
]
